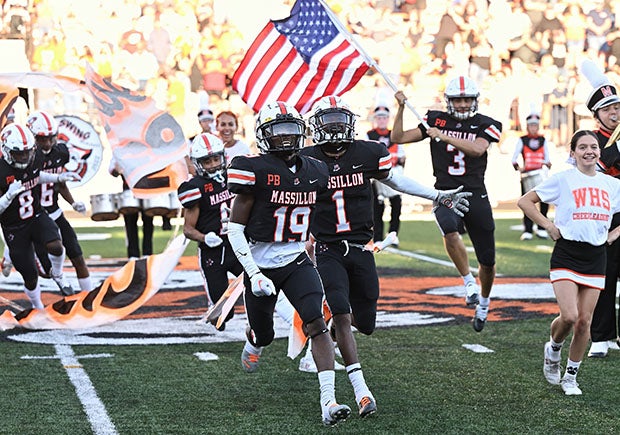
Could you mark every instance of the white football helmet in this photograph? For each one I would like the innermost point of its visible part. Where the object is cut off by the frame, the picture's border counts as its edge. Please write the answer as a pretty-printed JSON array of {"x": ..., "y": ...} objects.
[
  {"x": 461, "y": 87},
  {"x": 332, "y": 123},
  {"x": 280, "y": 127},
  {"x": 17, "y": 145},
  {"x": 207, "y": 154},
  {"x": 42, "y": 124}
]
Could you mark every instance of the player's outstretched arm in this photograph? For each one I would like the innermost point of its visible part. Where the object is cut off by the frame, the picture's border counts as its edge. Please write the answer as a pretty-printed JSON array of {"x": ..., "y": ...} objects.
[{"x": 455, "y": 200}]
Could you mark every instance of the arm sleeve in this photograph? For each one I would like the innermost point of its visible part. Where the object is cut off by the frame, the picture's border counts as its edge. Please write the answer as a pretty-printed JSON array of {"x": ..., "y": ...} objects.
[
  {"x": 240, "y": 246},
  {"x": 46, "y": 177},
  {"x": 4, "y": 202},
  {"x": 409, "y": 186}
]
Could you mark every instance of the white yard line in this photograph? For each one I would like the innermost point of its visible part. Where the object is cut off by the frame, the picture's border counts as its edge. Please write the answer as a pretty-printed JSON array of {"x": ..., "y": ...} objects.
[{"x": 93, "y": 406}]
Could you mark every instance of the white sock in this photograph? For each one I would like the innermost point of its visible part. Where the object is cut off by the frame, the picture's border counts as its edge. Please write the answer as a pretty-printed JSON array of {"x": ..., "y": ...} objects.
[
  {"x": 485, "y": 302},
  {"x": 356, "y": 376},
  {"x": 7, "y": 254},
  {"x": 85, "y": 284},
  {"x": 327, "y": 385},
  {"x": 35, "y": 297},
  {"x": 572, "y": 368},
  {"x": 57, "y": 263},
  {"x": 468, "y": 278},
  {"x": 252, "y": 349},
  {"x": 556, "y": 349}
]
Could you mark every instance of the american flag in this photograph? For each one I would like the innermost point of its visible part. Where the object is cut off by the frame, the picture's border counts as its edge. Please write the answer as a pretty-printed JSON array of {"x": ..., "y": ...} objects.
[{"x": 298, "y": 59}]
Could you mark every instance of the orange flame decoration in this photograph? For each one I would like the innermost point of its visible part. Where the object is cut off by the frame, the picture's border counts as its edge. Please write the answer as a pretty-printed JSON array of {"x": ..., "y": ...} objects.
[
  {"x": 147, "y": 143},
  {"x": 296, "y": 337},
  {"x": 119, "y": 295}
]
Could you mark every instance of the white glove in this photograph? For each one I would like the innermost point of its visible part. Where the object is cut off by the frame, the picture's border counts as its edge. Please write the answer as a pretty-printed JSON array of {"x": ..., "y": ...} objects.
[
  {"x": 69, "y": 176},
  {"x": 261, "y": 285},
  {"x": 79, "y": 207},
  {"x": 212, "y": 240},
  {"x": 15, "y": 188},
  {"x": 455, "y": 200}
]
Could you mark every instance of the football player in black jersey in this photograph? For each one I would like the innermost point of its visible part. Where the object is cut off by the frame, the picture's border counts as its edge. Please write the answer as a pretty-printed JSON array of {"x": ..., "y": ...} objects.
[
  {"x": 604, "y": 103},
  {"x": 269, "y": 226},
  {"x": 22, "y": 217},
  {"x": 460, "y": 138},
  {"x": 343, "y": 225},
  {"x": 207, "y": 202},
  {"x": 54, "y": 156}
]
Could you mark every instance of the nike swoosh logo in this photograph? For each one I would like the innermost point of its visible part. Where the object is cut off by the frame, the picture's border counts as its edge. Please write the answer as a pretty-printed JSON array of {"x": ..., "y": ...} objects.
[
  {"x": 314, "y": 181},
  {"x": 483, "y": 196},
  {"x": 473, "y": 126},
  {"x": 357, "y": 166},
  {"x": 299, "y": 263}
]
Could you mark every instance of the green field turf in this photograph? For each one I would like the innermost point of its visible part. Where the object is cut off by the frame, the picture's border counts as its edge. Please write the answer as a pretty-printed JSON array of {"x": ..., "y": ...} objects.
[{"x": 424, "y": 380}]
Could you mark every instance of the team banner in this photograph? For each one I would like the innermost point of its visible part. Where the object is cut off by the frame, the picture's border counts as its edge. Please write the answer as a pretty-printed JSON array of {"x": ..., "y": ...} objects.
[
  {"x": 84, "y": 145},
  {"x": 148, "y": 144},
  {"x": 118, "y": 296},
  {"x": 8, "y": 95}
]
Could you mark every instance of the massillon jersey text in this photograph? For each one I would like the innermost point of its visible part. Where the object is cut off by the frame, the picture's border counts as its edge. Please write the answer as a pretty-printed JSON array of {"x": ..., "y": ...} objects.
[
  {"x": 452, "y": 167},
  {"x": 345, "y": 211},
  {"x": 287, "y": 200},
  {"x": 212, "y": 197}
]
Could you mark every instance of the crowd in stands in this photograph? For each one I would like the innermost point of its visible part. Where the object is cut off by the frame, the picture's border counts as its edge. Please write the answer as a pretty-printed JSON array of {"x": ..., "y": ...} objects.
[{"x": 520, "y": 53}]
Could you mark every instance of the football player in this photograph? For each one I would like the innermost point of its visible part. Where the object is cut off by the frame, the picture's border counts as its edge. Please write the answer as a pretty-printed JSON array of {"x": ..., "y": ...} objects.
[
  {"x": 269, "y": 226},
  {"x": 460, "y": 138},
  {"x": 343, "y": 225},
  {"x": 53, "y": 156},
  {"x": 207, "y": 202},
  {"x": 22, "y": 217}
]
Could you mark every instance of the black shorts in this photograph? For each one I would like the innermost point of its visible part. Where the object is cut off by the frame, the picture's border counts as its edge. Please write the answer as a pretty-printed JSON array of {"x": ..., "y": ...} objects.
[
  {"x": 215, "y": 263},
  {"x": 478, "y": 222},
  {"x": 351, "y": 282},
  {"x": 300, "y": 282},
  {"x": 39, "y": 230}
]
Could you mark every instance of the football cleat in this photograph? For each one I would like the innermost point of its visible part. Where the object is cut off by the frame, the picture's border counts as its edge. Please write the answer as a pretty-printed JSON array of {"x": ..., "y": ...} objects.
[
  {"x": 336, "y": 414},
  {"x": 249, "y": 361},
  {"x": 526, "y": 236},
  {"x": 65, "y": 288},
  {"x": 6, "y": 266},
  {"x": 471, "y": 293},
  {"x": 480, "y": 317},
  {"x": 367, "y": 406},
  {"x": 551, "y": 369}
]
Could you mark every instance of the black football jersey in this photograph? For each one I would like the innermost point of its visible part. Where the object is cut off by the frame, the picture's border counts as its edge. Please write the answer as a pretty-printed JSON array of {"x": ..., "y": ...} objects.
[
  {"x": 284, "y": 201},
  {"x": 452, "y": 167},
  {"x": 54, "y": 163},
  {"x": 211, "y": 197},
  {"x": 345, "y": 211},
  {"x": 609, "y": 162},
  {"x": 28, "y": 203}
]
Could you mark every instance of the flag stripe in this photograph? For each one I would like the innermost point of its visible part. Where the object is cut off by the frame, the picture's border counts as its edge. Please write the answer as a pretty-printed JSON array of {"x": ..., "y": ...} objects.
[{"x": 298, "y": 60}]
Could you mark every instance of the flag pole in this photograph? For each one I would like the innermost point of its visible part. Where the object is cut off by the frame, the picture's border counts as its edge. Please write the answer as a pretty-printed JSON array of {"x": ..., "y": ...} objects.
[{"x": 369, "y": 60}]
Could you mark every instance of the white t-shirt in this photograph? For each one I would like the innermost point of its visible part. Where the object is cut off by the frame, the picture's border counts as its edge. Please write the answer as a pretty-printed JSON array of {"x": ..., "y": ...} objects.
[
  {"x": 584, "y": 204},
  {"x": 238, "y": 149}
]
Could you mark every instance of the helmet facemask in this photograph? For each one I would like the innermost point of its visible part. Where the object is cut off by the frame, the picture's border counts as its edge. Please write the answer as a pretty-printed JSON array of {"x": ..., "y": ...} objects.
[
  {"x": 333, "y": 128},
  {"x": 461, "y": 116},
  {"x": 211, "y": 166}
]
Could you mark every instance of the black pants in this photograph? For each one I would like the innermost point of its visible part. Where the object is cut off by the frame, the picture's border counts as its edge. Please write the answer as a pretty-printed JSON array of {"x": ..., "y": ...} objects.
[
  {"x": 132, "y": 237},
  {"x": 396, "y": 205},
  {"x": 605, "y": 323}
]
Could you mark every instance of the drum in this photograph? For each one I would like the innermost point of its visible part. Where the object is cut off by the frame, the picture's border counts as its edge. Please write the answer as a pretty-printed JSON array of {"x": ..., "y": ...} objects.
[
  {"x": 175, "y": 205},
  {"x": 103, "y": 207},
  {"x": 127, "y": 203},
  {"x": 532, "y": 179},
  {"x": 156, "y": 205}
]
